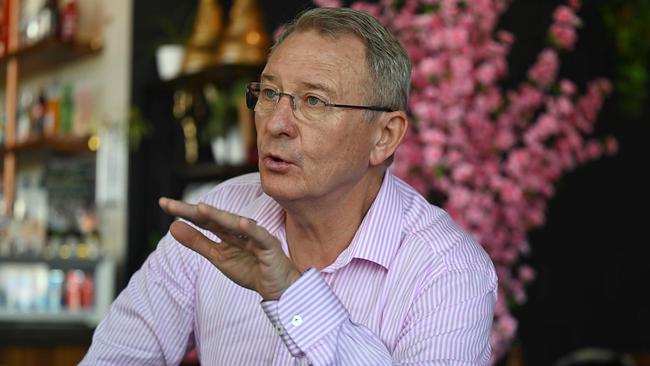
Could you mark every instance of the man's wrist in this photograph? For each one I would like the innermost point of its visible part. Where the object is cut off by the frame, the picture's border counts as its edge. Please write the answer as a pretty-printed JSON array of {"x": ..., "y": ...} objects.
[{"x": 292, "y": 276}]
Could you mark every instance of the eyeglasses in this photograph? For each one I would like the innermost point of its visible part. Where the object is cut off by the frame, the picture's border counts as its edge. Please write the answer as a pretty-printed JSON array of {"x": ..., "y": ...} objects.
[{"x": 263, "y": 98}]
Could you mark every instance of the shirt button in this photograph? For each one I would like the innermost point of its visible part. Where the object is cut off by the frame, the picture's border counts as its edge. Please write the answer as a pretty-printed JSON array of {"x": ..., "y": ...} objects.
[
  {"x": 296, "y": 320},
  {"x": 279, "y": 328}
]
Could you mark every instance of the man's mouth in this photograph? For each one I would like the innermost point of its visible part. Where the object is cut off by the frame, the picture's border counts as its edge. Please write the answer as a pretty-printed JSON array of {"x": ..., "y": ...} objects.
[
  {"x": 275, "y": 163},
  {"x": 276, "y": 159}
]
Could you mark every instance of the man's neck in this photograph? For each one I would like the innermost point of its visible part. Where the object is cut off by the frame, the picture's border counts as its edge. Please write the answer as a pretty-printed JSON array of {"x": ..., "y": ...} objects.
[{"x": 317, "y": 232}]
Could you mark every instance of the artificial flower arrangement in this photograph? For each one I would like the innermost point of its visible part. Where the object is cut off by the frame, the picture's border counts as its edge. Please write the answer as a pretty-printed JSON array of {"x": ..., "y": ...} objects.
[{"x": 491, "y": 156}]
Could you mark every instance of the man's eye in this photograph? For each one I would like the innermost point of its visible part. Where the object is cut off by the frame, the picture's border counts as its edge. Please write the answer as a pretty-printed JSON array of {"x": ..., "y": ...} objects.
[
  {"x": 313, "y": 101},
  {"x": 269, "y": 93}
]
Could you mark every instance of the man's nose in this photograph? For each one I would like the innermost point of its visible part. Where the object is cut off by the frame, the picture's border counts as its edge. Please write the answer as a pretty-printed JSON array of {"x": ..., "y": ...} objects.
[{"x": 282, "y": 120}]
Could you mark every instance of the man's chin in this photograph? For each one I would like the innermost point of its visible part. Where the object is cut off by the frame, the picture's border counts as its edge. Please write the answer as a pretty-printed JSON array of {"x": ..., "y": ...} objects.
[{"x": 279, "y": 187}]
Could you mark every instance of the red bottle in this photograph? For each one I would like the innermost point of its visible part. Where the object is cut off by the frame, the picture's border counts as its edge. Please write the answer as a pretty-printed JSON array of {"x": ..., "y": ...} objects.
[
  {"x": 69, "y": 20},
  {"x": 73, "y": 281},
  {"x": 87, "y": 291}
]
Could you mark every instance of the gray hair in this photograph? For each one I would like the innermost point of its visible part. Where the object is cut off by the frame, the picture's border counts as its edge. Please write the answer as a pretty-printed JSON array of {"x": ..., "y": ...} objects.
[{"x": 388, "y": 63}]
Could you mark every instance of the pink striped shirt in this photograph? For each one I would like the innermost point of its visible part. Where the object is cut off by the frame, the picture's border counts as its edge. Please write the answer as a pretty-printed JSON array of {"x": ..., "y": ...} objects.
[{"x": 411, "y": 288}]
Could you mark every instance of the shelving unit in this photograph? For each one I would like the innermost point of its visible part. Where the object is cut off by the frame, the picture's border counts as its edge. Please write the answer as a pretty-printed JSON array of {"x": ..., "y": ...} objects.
[
  {"x": 41, "y": 57},
  {"x": 103, "y": 271},
  {"x": 20, "y": 62}
]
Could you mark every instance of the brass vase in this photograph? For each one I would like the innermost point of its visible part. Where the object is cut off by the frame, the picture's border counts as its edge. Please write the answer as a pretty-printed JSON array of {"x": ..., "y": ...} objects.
[
  {"x": 204, "y": 42},
  {"x": 245, "y": 40}
]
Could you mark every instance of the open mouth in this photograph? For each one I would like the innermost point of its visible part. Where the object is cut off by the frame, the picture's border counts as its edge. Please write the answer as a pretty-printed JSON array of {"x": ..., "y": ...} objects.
[{"x": 275, "y": 163}]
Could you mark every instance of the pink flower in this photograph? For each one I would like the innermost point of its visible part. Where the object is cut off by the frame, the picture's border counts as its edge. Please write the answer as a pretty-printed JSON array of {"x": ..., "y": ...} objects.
[
  {"x": 460, "y": 197},
  {"x": 507, "y": 325},
  {"x": 432, "y": 155},
  {"x": 486, "y": 73},
  {"x": 575, "y": 4},
  {"x": 564, "y": 14},
  {"x": 594, "y": 150},
  {"x": 564, "y": 36},
  {"x": 433, "y": 136},
  {"x": 511, "y": 193},
  {"x": 567, "y": 87},
  {"x": 328, "y": 3},
  {"x": 565, "y": 106},
  {"x": 604, "y": 85},
  {"x": 430, "y": 66},
  {"x": 278, "y": 32},
  {"x": 611, "y": 146},
  {"x": 518, "y": 161},
  {"x": 547, "y": 125},
  {"x": 504, "y": 139},
  {"x": 544, "y": 70},
  {"x": 456, "y": 37},
  {"x": 505, "y": 37},
  {"x": 526, "y": 274},
  {"x": 426, "y": 111},
  {"x": 461, "y": 66},
  {"x": 371, "y": 9},
  {"x": 462, "y": 172}
]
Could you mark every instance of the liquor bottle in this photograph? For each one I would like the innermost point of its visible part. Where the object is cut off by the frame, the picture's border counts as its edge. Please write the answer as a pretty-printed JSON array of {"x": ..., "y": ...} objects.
[{"x": 69, "y": 20}]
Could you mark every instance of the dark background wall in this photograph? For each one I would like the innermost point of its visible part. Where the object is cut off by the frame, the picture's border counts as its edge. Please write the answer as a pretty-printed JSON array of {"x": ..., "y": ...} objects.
[
  {"x": 592, "y": 257},
  {"x": 154, "y": 165}
]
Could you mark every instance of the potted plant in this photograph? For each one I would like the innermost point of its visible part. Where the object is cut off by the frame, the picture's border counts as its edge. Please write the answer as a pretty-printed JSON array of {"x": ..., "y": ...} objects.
[{"x": 170, "y": 51}]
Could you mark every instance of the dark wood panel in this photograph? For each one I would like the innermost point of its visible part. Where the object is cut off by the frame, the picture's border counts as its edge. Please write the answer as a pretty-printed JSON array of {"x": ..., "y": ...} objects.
[{"x": 41, "y": 356}]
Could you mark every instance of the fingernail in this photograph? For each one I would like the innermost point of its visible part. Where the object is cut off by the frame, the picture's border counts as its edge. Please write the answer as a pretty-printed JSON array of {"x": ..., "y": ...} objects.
[{"x": 249, "y": 219}]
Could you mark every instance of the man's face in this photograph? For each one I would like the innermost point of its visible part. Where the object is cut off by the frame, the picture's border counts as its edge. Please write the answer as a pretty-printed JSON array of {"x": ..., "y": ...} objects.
[{"x": 326, "y": 158}]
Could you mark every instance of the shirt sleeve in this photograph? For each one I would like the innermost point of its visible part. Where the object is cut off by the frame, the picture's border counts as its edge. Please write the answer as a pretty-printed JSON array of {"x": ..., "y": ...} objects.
[
  {"x": 449, "y": 322},
  {"x": 150, "y": 322},
  {"x": 314, "y": 324}
]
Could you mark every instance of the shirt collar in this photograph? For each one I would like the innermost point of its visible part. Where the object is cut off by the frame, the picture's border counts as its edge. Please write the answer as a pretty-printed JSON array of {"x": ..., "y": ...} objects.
[
  {"x": 376, "y": 240},
  {"x": 380, "y": 232}
]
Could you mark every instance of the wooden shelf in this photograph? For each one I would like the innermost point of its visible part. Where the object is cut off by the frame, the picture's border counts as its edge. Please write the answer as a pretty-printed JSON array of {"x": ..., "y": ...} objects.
[
  {"x": 81, "y": 316},
  {"x": 63, "y": 144},
  {"x": 59, "y": 263},
  {"x": 210, "y": 171},
  {"x": 48, "y": 54},
  {"x": 217, "y": 74}
]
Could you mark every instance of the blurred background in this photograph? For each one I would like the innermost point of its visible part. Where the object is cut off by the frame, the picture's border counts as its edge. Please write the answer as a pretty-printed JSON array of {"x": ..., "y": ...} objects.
[{"x": 106, "y": 106}]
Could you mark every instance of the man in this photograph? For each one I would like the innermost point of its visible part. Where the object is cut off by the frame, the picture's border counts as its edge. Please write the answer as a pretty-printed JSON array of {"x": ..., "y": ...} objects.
[{"x": 324, "y": 257}]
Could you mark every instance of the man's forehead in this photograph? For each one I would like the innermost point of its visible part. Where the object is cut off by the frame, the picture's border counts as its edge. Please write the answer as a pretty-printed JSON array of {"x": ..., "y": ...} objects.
[
  {"x": 315, "y": 84},
  {"x": 315, "y": 60}
]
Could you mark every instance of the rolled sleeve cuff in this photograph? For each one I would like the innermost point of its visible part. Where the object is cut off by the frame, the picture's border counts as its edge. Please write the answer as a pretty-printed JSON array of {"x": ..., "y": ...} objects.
[{"x": 307, "y": 312}]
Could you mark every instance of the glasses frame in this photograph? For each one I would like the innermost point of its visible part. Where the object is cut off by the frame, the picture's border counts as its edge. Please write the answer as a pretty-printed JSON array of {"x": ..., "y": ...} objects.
[{"x": 251, "y": 100}]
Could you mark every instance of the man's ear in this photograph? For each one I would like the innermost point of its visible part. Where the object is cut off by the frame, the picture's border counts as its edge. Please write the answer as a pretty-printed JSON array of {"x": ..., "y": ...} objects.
[{"x": 391, "y": 128}]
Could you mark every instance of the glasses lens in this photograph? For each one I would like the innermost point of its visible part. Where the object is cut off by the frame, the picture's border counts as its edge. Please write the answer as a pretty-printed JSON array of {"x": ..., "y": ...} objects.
[
  {"x": 252, "y": 93},
  {"x": 266, "y": 98},
  {"x": 312, "y": 108}
]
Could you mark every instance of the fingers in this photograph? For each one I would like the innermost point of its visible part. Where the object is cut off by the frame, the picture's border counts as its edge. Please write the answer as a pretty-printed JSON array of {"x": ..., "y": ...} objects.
[
  {"x": 180, "y": 209},
  {"x": 191, "y": 213},
  {"x": 228, "y": 226},
  {"x": 193, "y": 239},
  {"x": 241, "y": 228}
]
